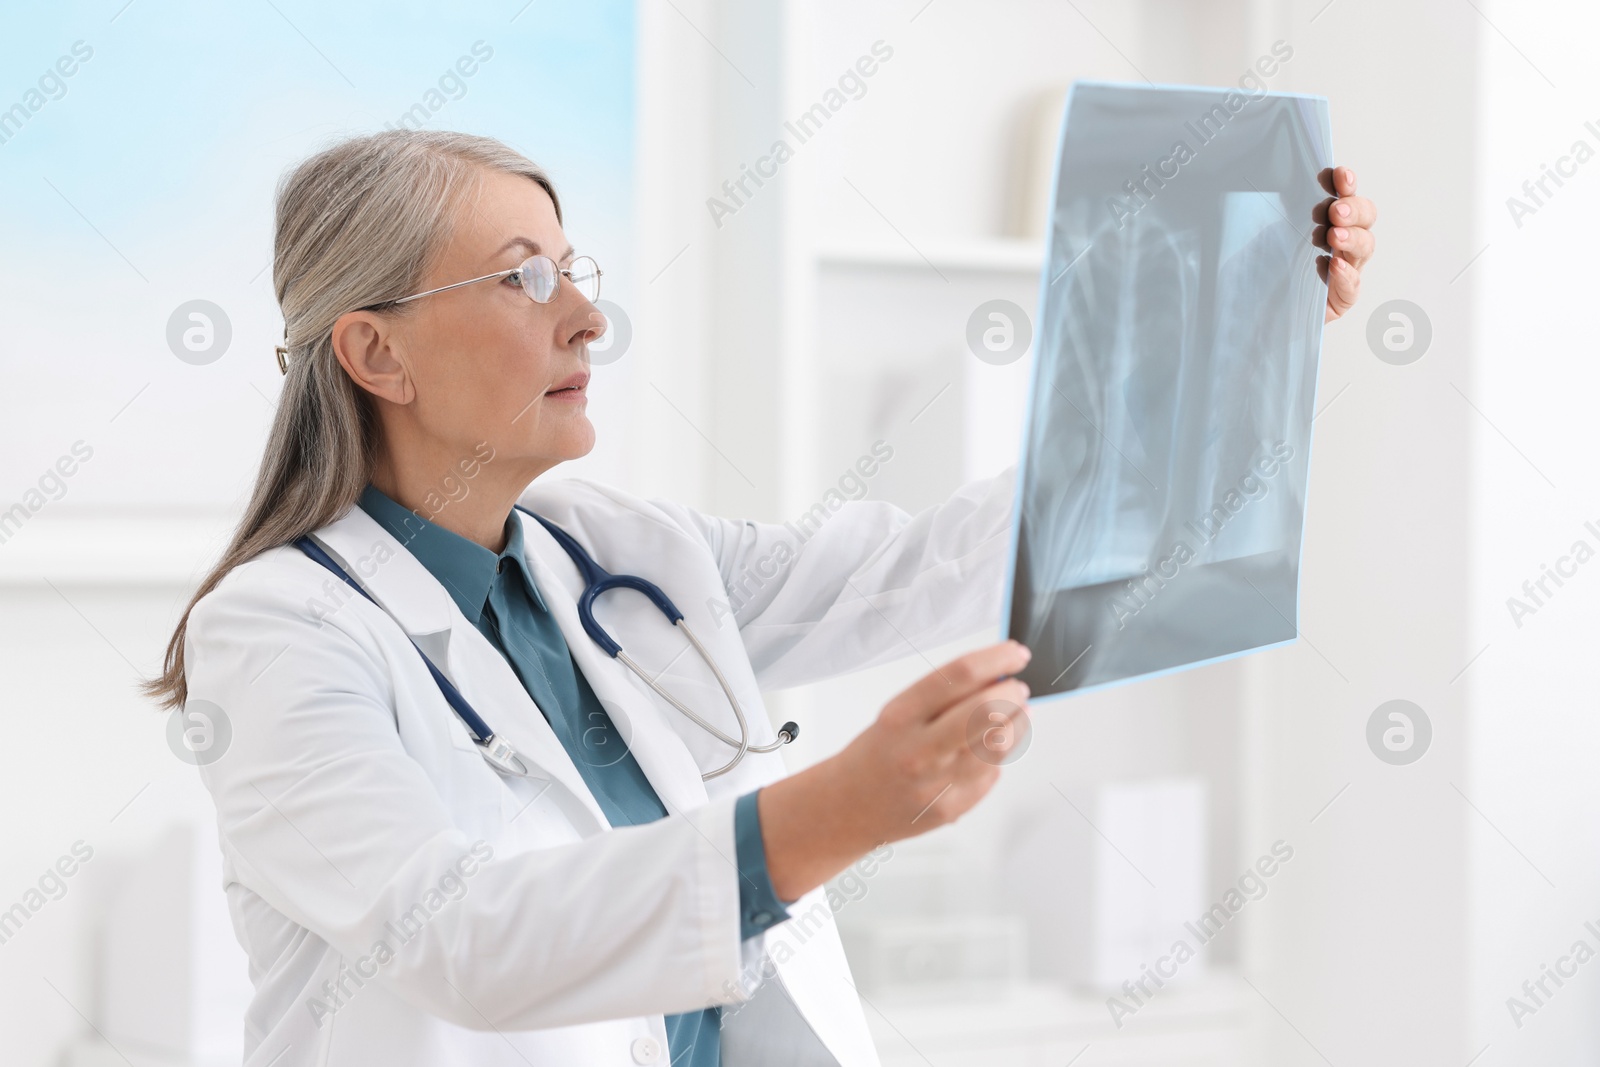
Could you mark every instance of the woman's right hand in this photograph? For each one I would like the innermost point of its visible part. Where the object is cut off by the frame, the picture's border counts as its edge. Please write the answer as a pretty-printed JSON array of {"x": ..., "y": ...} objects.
[{"x": 934, "y": 751}]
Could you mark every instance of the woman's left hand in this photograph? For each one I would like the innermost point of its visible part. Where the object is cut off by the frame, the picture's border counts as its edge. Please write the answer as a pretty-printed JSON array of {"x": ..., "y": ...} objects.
[{"x": 1347, "y": 234}]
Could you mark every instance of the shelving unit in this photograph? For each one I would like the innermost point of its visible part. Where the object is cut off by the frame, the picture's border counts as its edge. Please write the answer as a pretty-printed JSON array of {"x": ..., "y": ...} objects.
[{"x": 853, "y": 278}]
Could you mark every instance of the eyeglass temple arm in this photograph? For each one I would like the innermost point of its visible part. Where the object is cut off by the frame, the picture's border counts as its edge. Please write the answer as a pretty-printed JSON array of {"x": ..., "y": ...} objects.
[{"x": 457, "y": 285}]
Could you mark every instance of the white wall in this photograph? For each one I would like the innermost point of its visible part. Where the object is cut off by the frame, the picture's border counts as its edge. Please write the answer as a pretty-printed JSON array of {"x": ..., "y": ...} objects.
[
  {"x": 1362, "y": 954},
  {"x": 1533, "y": 726}
]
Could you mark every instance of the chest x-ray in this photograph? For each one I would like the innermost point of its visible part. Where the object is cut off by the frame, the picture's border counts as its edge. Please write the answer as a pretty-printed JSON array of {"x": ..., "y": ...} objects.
[{"x": 1163, "y": 479}]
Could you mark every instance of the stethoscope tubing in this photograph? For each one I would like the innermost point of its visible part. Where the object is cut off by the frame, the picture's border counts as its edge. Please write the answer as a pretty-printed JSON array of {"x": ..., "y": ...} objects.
[{"x": 596, "y": 580}]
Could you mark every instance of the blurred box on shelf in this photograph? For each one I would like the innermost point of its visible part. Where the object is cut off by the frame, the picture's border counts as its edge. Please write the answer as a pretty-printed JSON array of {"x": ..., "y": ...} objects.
[
  {"x": 965, "y": 955},
  {"x": 1105, "y": 877}
]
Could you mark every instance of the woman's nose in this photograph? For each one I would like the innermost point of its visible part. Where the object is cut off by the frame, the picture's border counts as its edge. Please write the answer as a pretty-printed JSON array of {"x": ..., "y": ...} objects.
[{"x": 594, "y": 328}]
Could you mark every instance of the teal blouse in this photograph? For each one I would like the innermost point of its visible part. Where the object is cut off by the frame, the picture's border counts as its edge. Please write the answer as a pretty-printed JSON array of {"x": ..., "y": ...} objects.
[{"x": 496, "y": 592}]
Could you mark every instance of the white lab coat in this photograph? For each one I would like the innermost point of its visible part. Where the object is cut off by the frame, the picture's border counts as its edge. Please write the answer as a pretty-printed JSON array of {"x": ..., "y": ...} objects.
[{"x": 401, "y": 903}]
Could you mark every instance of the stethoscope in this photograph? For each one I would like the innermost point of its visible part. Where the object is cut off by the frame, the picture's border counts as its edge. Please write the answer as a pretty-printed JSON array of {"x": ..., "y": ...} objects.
[{"x": 596, "y": 580}]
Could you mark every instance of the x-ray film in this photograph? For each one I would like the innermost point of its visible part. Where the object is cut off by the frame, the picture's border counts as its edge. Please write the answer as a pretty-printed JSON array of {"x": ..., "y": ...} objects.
[{"x": 1162, "y": 487}]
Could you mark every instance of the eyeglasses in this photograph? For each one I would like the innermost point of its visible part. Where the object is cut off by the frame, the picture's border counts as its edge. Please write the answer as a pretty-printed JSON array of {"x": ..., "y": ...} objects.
[{"x": 539, "y": 277}]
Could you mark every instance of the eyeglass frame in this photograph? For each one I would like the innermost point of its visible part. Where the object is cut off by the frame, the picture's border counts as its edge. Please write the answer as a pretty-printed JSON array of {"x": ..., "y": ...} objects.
[
  {"x": 560, "y": 273},
  {"x": 282, "y": 351}
]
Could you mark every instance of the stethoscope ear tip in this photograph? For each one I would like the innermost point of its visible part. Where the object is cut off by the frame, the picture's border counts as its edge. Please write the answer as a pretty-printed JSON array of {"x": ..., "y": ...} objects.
[{"x": 788, "y": 731}]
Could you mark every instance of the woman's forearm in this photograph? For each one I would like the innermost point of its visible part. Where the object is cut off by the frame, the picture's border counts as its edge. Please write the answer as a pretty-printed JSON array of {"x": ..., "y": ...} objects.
[
  {"x": 807, "y": 835},
  {"x": 919, "y": 766}
]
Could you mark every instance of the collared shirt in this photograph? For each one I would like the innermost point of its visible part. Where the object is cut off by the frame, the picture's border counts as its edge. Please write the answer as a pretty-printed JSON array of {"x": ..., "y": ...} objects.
[{"x": 497, "y": 594}]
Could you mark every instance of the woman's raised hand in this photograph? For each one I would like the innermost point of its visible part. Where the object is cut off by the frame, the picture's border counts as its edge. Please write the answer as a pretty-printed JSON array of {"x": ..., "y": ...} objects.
[{"x": 934, "y": 751}]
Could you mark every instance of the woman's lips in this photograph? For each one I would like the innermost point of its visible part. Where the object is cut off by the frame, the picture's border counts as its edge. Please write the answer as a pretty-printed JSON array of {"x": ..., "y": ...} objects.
[{"x": 570, "y": 388}]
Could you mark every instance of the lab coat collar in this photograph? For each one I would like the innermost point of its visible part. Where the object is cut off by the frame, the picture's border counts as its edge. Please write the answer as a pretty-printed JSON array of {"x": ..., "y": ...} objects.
[
  {"x": 425, "y": 610},
  {"x": 465, "y": 568},
  {"x": 386, "y": 568}
]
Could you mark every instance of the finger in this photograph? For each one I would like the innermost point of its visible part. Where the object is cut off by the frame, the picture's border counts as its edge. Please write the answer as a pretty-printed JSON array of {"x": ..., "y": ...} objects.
[
  {"x": 959, "y": 730},
  {"x": 1344, "y": 285},
  {"x": 1344, "y": 181},
  {"x": 997, "y": 730},
  {"x": 1352, "y": 244},
  {"x": 958, "y": 680},
  {"x": 1354, "y": 211}
]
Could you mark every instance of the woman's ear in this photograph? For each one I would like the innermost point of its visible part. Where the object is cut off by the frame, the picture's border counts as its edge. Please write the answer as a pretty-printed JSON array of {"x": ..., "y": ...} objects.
[{"x": 371, "y": 351}]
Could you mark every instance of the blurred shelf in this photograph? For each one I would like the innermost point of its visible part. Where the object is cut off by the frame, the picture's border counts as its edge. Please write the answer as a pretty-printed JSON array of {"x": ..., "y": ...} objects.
[
  {"x": 113, "y": 549},
  {"x": 999, "y": 255},
  {"x": 1202, "y": 1022}
]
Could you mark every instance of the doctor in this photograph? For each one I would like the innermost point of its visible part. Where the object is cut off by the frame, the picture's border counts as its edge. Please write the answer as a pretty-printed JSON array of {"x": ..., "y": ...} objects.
[{"x": 619, "y": 884}]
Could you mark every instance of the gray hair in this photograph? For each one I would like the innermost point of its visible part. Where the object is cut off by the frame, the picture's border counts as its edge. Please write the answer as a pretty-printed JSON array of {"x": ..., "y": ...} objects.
[{"x": 358, "y": 224}]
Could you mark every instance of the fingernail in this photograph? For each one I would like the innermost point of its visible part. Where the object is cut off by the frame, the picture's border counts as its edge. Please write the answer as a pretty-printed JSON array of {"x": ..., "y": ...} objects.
[
  {"x": 1340, "y": 233},
  {"x": 1342, "y": 210}
]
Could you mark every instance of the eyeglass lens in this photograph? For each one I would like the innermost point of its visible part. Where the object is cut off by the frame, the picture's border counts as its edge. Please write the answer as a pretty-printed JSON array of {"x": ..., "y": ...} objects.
[{"x": 540, "y": 278}]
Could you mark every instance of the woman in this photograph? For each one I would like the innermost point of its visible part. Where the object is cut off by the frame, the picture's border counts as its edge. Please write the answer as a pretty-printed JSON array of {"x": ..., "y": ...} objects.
[{"x": 401, "y": 899}]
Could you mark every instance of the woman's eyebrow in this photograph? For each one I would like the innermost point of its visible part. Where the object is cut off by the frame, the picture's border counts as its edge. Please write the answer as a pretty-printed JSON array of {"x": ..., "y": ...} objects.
[{"x": 533, "y": 248}]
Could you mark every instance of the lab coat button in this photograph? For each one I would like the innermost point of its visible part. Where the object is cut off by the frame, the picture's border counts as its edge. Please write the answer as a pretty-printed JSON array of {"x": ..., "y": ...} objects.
[{"x": 646, "y": 1050}]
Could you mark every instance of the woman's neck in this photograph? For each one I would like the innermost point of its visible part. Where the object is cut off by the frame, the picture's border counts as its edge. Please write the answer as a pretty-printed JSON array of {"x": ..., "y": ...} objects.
[{"x": 470, "y": 495}]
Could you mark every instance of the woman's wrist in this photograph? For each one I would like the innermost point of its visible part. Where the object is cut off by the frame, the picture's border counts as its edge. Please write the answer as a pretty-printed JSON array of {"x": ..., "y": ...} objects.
[{"x": 812, "y": 827}]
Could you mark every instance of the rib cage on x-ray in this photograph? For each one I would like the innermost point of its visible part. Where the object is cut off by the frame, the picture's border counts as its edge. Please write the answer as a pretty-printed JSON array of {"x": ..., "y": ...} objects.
[{"x": 1172, "y": 390}]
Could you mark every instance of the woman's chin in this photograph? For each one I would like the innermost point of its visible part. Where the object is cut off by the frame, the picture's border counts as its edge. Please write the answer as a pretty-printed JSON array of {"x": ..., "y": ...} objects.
[
  {"x": 569, "y": 438},
  {"x": 577, "y": 440}
]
